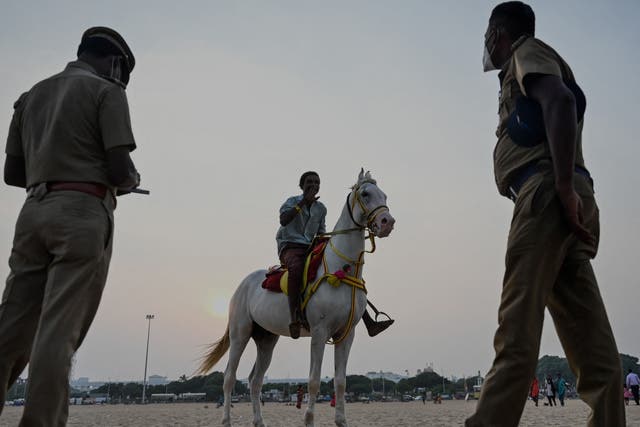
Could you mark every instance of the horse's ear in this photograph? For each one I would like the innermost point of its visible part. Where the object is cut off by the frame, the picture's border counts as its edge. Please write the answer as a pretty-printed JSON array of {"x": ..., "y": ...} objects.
[
  {"x": 367, "y": 175},
  {"x": 361, "y": 174}
]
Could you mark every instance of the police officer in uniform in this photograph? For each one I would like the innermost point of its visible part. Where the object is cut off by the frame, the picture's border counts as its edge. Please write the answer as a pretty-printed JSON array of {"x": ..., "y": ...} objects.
[
  {"x": 538, "y": 163},
  {"x": 68, "y": 145}
]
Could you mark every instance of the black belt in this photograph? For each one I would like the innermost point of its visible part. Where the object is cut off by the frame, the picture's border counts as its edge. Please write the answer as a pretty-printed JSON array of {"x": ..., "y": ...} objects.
[
  {"x": 97, "y": 190},
  {"x": 523, "y": 174}
]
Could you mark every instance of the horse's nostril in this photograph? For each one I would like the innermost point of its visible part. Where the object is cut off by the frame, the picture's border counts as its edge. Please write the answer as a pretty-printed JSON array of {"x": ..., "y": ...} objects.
[{"x": 384, "y": 221}]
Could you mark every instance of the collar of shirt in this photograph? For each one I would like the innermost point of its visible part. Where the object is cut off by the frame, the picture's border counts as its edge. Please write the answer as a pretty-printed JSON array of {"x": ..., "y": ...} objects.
[
  {"x": 514, "y": 46},
  {"x": 82, "y": 65}
]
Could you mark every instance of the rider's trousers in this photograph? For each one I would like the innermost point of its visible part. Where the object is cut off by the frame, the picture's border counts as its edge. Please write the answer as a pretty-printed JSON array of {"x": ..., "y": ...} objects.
[{"x": 293, "y": 257}]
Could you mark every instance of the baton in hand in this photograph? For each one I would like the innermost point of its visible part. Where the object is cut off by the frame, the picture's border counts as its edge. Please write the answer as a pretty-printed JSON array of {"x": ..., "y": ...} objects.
[{"x": 139, "y": 191}]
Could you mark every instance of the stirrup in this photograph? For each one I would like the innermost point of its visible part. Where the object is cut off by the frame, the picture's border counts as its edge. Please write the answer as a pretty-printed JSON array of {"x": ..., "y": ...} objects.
[
  {"x": 378, "y": 327},
  {"x": 378, "y": 313},
  {"x": 382, "y": 313}
]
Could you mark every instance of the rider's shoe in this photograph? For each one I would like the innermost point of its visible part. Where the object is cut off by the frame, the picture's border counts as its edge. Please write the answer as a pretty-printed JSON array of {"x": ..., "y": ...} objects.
[
  {"x": 294, "y": 329},
  {"x": 378, "y": 327}
]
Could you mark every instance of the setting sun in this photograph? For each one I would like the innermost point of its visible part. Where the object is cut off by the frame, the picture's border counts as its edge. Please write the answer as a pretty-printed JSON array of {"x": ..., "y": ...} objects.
[{"x": 219, "y": 306}]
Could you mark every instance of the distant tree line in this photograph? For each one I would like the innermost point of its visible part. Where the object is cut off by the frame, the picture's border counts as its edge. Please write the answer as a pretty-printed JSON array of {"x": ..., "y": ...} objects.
[
  {"x": 552, "y": 365},
  {"x": 211, "y": 384}
]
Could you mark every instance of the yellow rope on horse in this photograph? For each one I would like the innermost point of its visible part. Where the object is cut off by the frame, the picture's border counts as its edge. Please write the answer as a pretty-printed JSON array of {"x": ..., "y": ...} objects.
[{"x": 335, "y": 281}]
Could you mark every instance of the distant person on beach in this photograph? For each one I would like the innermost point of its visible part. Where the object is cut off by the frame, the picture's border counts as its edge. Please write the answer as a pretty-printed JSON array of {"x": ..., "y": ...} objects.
[
  {"x": 561, "y": 388},
  {"x": 626, "y": 392},
  {"x": 68, "y": 146},
  {"x": 633, "y": 383},
  {"x": 538, "y": 164},
  {"x": 550, "y": 391},
  {"x": 299, "y": 397},
  {"x": 302, "y": 218},
  {"x": 534, "y": 391}
]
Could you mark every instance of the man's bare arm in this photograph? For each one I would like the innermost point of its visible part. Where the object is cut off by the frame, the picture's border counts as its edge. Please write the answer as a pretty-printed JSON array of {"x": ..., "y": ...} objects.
[{"x": 559, "y": 113}]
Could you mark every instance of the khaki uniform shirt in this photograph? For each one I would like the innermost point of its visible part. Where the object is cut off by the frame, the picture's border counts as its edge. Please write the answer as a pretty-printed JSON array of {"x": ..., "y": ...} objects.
[
  {"x": 65, "y": 124},
  {"x": 530, "y": 55}
]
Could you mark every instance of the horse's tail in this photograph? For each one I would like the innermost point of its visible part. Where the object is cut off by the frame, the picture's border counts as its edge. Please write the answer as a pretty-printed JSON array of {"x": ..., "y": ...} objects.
[{"x": 215, "y": 353}]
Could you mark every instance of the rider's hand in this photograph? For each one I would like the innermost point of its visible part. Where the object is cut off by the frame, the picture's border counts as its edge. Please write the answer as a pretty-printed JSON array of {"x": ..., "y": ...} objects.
[
  {"x": 309, "y": 195},
  {"x": 572, "y": 204}
]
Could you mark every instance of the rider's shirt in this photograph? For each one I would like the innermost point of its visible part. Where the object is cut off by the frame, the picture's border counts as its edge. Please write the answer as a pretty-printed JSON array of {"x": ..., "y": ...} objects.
[{"x": 304, "y": 226}]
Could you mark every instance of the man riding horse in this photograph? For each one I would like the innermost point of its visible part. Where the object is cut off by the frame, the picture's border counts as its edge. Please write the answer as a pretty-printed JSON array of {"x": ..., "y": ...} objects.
[{"x": 302, "y": 218}]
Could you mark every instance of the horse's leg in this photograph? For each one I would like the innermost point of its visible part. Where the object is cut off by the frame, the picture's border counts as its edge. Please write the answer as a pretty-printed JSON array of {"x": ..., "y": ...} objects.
[
  {"x": 318, "y": 341},
  {"x": 239, "y": 335},
  {"x": 340, "y": 377},
  {"x": 265, "y": 342}
]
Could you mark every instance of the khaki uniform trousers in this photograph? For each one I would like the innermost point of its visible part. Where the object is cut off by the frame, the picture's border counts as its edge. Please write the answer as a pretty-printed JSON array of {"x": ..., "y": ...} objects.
[
  {"x": 59, "y": 264},
  {"x": 547, "y": 266}
]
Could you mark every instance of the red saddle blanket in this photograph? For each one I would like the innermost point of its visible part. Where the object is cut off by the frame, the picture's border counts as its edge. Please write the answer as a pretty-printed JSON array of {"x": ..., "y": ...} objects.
[{"x": 274, "y": 275}]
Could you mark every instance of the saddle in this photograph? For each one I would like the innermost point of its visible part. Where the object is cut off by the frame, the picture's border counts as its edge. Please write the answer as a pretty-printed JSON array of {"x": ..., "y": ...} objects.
[{"x": 276, "y": 279}]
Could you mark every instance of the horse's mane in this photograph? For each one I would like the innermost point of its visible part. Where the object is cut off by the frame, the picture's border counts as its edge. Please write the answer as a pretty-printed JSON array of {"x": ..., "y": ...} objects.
[{"x": 364, "y": 178}]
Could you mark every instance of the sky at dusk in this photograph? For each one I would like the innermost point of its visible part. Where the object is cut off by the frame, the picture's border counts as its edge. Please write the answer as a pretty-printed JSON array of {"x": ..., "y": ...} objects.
[{"x": 232, "y": 101}]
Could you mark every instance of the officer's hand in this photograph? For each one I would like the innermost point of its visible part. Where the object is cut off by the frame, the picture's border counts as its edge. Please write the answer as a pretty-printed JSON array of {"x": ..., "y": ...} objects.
[
  {"x": 572, "y": 204},
  {"x": 134, "y": 183}
]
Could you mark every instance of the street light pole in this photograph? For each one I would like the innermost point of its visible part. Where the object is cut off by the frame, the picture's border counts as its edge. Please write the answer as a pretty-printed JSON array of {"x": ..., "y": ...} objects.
[{"x": 146, "y": 358}]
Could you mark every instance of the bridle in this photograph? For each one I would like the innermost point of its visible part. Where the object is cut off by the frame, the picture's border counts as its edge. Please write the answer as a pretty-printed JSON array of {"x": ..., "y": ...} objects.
[{"x": 370, "y": 215}]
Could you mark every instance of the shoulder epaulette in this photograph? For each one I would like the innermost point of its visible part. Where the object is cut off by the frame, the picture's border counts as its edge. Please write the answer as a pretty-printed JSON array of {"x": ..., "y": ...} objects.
[{"x": 20, "y": 100}]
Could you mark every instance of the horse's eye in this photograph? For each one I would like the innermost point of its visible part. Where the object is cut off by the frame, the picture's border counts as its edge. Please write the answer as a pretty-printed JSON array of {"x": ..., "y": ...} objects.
[{"x": 365, "y": 194}]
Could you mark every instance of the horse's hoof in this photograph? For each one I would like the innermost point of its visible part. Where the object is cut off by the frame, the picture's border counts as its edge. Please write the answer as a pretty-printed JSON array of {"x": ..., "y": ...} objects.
[
  {"x": 226, "y": 422},
  {"x": 341, "y": 422}
]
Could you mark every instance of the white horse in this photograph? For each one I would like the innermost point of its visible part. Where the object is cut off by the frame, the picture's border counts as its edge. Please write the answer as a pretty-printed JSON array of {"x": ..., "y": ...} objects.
[{"x": 332, "y": 312}]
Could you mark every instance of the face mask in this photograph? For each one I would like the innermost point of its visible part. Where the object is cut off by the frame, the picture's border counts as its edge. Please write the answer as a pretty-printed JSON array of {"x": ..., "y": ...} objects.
[
  {"x": 487, "y": 62},
  {"x": 119, "y": 72}
]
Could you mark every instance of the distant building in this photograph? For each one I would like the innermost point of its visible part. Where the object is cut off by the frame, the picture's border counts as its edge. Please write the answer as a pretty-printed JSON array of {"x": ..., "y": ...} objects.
[
  {"x": 274, "y": 394},
  {"x": 84, "y": 384},
  {"x": 163, "y": 397},
  {"x": 193, "y": 397},
  {"x": 157, "y": 380},
  {"x": 372, "y": 375},
  {"x": 268, "y": 380}
]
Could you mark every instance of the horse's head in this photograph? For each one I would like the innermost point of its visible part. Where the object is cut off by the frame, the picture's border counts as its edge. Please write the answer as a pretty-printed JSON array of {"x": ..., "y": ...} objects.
[{"x": 368, "y": 205}]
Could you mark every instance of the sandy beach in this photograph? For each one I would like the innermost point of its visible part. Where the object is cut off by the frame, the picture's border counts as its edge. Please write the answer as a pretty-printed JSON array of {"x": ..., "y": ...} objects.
[{"x": 450, "y": 413}]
